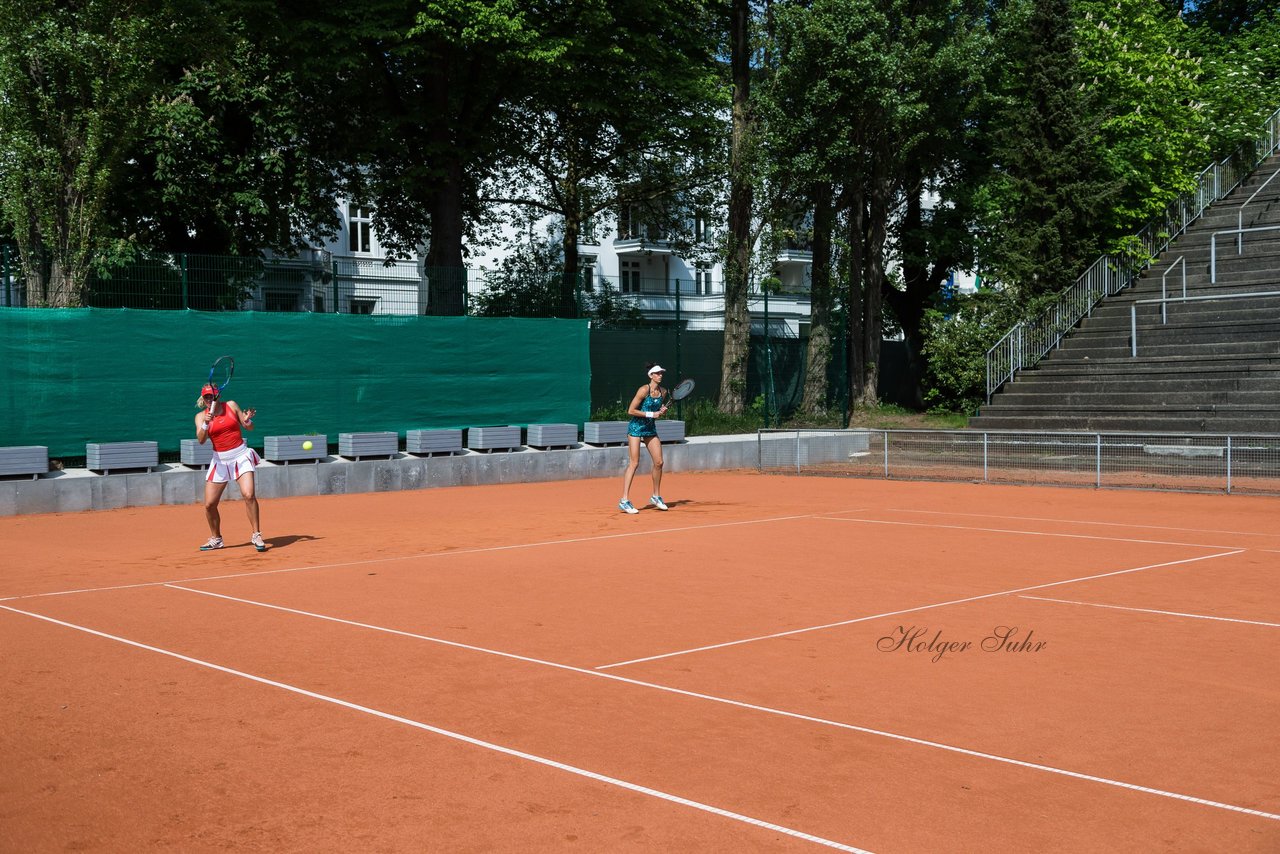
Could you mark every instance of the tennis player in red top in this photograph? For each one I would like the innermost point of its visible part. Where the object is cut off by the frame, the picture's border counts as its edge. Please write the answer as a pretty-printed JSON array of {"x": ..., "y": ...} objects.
[{"x": 221, "y": 423}]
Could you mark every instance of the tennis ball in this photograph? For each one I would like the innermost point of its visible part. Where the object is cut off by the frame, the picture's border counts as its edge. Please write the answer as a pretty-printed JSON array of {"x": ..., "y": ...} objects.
[{"x": 306, "y": 446}]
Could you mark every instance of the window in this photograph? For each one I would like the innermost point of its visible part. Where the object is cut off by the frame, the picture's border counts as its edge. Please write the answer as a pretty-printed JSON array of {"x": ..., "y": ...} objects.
[
  {"x": 588, "y": 231},
  {"x": 363, "y": 305},
  {"x": 701, "y": 232},
  {"x": 280, "y": 301},
  {"x": 359, "y": 226},
  {"x": 701, "y": 280},
  {"x": 627, "y": 224},
  {"x": 588, "y": 273},
  {"x": 630, "y": 279}
]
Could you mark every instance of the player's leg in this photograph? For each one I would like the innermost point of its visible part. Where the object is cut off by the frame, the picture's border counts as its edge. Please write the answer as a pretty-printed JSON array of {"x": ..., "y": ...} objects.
[
  {"x": 633, "y": 448},
  {"x": 248, "y": 492},
  {"x": 654, "y": 445},
  {"x": 212, "y": 495}
]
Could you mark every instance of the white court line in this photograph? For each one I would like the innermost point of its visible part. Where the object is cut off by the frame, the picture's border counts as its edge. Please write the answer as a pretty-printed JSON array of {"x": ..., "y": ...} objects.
[
  {"x": 1153, "y": 611},
  {"x": 1027, "y": 533},
  {"x": 519, "y": 754},
  {"x": 450, "y": 553},
  {"x": 912, "y": 610},
  {"x": 1077, "y": 522},
  {"x": 740, "y": 704}
]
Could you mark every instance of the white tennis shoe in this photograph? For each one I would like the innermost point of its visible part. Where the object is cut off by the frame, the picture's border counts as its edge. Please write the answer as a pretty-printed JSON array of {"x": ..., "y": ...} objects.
[
  {"x": 258, "y": 544},
  {"x": 657, "y": 502},
  {"x": 627, "y": 507},
  {"x": 214, "y": 543}
]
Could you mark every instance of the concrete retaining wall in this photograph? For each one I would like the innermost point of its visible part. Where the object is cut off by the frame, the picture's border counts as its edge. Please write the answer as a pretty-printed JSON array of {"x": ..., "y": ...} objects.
[{"x": 76, "y": 490}]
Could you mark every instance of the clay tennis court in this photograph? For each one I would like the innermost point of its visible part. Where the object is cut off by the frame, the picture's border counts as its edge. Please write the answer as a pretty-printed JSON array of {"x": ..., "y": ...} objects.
[{"x": 776, "y": 664}]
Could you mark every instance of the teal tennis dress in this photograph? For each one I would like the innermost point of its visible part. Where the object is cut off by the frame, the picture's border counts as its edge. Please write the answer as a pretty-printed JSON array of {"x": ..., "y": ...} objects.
[{"x": 645, "y": 427}]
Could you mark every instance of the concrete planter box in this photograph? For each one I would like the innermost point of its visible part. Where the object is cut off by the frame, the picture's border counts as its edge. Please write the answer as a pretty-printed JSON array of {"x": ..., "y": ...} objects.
[
  {"x": 287, "y": 449},
  {"x": 433, "y": 442},
  {"x": 605, "y": 433},
  {"x": 553, "y": 435},
  {"x": 358, "y": 445},
  {"x": 194, "y": 454},
  {"x": 107, "y": 457},
  {"x": 670, "y": 431},
  {"x": 493, "y": 438},
  {"x": 24, "y": 459}
]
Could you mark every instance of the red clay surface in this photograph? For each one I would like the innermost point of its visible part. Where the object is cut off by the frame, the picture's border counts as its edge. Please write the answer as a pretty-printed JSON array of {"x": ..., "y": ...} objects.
[{"x": 522, "y": 668}]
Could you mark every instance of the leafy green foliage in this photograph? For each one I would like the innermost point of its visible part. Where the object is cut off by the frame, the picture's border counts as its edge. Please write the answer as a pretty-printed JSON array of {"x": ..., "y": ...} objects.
[
  {"x": 956, "y": 343},
  {"x": 1144, "y": 86}
]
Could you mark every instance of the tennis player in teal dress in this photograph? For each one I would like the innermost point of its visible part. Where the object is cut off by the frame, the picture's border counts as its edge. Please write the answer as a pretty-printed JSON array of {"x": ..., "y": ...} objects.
[{"x": 645, "y": 410}]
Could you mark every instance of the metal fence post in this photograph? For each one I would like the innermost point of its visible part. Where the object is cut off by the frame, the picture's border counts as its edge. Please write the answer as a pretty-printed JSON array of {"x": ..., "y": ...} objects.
[
  {"x": 1133, "y": 330},
  {"x": 336, "y": 308},
  {"x": 1098, "y": 481},
  {"x": 797, "y": 452},
  {"x": 985, "y": 476},
  {"x": 886, "y": 453},
  {"x": 679, "y": 374},
  {"x": 186, "y": 298},
  {"x": 1228, "y": 465},
  {"x": 4, "y": 273}
]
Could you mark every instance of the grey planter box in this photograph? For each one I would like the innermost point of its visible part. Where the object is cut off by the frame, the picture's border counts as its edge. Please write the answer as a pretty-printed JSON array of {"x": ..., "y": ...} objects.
[
  {"x": 605, "y": 432},
  {"x": 433, "y": 442},
  {"x": 115, "y": 456},
  {"x": 670, "y": 431},
  {"x": 194, "y": 454},
  {"x": 357, "y": 445},
  {"x": 493, "y": 438},
  {"x": 553, "y": 435},
  {"x": 287, "y": 449},
  {"x": 24, "y": 459}
]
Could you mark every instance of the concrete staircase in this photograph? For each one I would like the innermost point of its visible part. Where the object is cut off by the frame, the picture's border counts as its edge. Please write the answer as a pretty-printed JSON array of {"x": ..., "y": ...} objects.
[{"x": 1212, "y": 367}]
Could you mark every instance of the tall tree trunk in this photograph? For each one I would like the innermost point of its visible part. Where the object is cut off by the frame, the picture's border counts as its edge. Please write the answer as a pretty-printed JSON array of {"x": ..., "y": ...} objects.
[
  {"x": 854, "y": 303},
  {"x": 572, "y": 205},
  {"x": 819, "y": 349},
  {"x": 737, "y": 319},
  {"x": 447, "y": 277},
  {"x": 877, "y": 230}
]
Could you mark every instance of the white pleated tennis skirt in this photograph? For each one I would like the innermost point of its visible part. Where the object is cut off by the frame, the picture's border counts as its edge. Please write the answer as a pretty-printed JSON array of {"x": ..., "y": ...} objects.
[{"x": 230, "y": 465}]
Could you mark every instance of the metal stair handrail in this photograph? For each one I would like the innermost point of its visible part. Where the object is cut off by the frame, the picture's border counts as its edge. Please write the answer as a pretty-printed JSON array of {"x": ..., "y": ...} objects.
[{"x": 1029, "y": 340}]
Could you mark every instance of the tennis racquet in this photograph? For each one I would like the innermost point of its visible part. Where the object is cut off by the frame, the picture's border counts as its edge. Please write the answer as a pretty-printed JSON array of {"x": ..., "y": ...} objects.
[
  {"x": 683, "y": 389},
  {"x": 219, "y": 376}
]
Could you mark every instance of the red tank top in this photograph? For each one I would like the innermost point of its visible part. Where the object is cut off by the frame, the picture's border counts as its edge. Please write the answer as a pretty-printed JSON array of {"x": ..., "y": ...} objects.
[{"x": 224, "y": 431}]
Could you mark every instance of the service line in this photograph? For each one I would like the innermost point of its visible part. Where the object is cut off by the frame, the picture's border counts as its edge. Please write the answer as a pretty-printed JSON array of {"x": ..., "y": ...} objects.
[
  {"x": 913, "y": 610},
  {"x": 742, "y": 705},
  {"x": 466, "y": 739},
  {"x": 1154, "y": 611}
]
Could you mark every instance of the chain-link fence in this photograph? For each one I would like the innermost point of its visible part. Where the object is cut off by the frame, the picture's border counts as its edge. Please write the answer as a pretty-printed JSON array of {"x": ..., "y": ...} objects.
[{"x": 1245, "y": 463}]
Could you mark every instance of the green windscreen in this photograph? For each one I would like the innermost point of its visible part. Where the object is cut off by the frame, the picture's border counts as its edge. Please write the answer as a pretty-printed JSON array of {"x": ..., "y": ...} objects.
[{"x": 73, "y": 376}]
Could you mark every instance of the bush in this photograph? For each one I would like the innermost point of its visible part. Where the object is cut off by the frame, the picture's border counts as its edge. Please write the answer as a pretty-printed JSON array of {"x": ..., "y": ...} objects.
[{"x": 956, "y": 345}]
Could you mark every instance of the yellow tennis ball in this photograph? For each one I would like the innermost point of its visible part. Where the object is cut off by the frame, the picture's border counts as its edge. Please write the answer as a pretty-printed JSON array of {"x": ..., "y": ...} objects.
[{"x": 306, "y": 446}]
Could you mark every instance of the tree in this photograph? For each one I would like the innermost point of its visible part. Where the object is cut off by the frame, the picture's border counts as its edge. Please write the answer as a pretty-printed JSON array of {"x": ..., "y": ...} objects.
[
  {"x": 739, "y": 241},
  {"x": 1142, "y": 91},
  {"x": 427, "y": 91},
  {"x": 76, "y": 80},
  {"x": 1051, "y": 193},
  {"x": 589, "y": 149},
  {"x": 234, "y": 158}
]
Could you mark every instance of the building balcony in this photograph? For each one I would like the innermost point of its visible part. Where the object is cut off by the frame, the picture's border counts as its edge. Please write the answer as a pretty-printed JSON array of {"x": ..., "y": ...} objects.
[
  {"x": 630, "y": 246},
  {"x": 795, "y": 256}
]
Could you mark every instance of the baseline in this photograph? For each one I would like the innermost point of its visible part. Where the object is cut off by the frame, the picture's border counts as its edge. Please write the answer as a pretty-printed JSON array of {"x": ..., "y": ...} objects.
[{"x": 415, "y": 556}]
